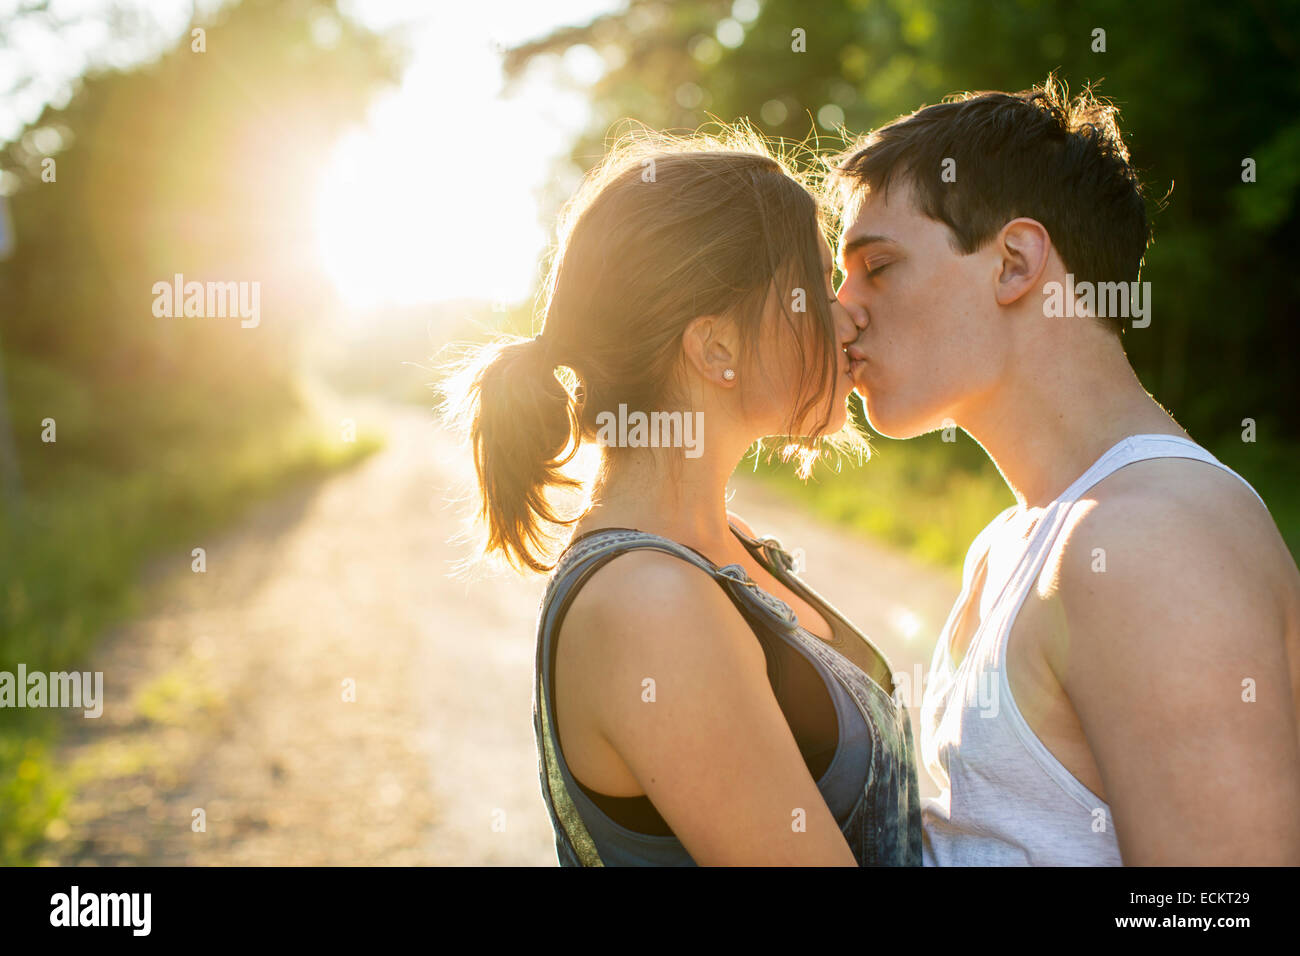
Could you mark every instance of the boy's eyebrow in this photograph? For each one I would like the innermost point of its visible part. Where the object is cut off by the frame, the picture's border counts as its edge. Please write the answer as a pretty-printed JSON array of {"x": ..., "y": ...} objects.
[{"x": 857, "y": 242}]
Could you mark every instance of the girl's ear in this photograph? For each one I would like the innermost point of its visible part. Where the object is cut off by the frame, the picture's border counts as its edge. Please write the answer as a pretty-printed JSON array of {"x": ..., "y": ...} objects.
[{"x": 711, "y": 346}]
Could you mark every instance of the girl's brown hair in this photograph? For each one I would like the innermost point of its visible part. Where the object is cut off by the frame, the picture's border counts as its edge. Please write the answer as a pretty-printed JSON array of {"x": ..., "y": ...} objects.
[{"x": 664, "y": 230}]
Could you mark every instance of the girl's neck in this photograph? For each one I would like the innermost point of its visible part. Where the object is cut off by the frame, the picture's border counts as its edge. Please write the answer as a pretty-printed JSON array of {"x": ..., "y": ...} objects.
[{"x": 683, "y": 500}]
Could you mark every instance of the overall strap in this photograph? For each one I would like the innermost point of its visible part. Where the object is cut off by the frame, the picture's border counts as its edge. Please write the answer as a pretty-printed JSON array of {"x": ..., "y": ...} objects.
[
  {"x": 594, "y": 551},
  {"x": 768, "y": 552}
]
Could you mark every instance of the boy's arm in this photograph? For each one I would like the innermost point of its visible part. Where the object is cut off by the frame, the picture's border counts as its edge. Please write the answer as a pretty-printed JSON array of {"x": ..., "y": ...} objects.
[{"x": 1174, "y": 659}]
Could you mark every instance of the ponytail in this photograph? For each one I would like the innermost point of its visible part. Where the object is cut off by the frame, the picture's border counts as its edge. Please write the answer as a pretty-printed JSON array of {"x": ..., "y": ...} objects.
[{"x": 523, "y": 426}]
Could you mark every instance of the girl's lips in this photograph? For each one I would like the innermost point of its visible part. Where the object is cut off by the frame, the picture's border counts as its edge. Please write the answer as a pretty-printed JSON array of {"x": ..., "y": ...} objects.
[{"x": 857, "y": 360}]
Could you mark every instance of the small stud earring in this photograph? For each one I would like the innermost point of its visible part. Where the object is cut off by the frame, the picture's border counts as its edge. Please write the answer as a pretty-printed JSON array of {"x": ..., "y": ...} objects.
[{"x": 729, "y": 374}]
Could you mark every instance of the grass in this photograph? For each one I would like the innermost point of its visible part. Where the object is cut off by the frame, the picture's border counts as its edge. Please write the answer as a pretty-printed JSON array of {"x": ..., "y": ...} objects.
[
  {"x": 175, "y": 698},
  {"x": 134, "y": 472}
]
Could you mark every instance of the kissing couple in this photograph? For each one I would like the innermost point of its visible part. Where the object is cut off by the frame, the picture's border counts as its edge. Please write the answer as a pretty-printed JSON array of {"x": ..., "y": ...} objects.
[{"x": 697, "y": 702}]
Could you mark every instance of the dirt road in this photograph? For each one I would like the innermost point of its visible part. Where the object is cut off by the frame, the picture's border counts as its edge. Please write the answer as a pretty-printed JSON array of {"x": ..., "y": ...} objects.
[{"x": 228, "y": 735}]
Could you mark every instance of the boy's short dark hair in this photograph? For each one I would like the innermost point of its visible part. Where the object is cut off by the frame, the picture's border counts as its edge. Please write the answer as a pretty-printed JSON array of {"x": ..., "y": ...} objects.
[{"x": 1035, "y": 154}]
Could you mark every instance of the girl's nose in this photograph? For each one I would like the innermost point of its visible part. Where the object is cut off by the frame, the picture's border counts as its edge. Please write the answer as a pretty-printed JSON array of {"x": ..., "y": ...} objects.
[
  {"x": 857, "y": 314},
  {"x": 846, "y": 327}
]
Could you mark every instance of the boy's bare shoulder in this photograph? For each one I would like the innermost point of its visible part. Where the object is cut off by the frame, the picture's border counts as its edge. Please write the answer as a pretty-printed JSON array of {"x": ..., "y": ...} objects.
[{"x": 1168, "y": 528}]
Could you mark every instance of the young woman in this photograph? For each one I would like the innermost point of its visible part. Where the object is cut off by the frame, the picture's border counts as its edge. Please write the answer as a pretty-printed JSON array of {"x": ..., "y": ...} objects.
[{"x": 695, "y": 702}]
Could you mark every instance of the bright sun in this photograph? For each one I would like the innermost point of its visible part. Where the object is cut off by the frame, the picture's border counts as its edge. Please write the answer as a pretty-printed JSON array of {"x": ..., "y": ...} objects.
[
  {"x": 436, "y": 197},
  {"x": 390, "y": 233}
]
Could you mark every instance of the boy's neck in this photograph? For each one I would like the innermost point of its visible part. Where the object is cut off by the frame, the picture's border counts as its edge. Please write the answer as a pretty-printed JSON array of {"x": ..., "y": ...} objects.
[{"x": 1047, "y": 421}]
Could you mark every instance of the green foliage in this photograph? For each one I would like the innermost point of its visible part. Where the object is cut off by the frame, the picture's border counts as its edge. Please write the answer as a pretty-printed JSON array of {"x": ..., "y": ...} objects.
[{"x": 32, "y": 793}]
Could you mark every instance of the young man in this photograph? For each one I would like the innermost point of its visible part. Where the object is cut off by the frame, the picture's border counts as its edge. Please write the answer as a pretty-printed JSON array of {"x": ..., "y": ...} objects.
[{"x": 1118, "y": 680}]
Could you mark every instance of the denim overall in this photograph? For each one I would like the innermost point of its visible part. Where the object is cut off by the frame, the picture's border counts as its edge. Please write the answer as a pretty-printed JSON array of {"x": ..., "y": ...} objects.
[{"x": 870, "y": 786}]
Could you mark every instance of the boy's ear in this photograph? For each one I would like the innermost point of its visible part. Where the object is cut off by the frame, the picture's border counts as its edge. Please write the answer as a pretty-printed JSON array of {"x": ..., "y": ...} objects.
[
  {"x": 712, "y": 346},
  {"x": 1024, "y": 248}
]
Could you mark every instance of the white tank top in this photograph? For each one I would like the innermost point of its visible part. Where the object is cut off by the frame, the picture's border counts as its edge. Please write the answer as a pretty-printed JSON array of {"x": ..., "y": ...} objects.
[{"x": 1005, "y": 800}]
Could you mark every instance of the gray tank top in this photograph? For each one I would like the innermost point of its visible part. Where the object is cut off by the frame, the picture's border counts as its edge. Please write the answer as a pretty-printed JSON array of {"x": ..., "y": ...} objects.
[
  {"x": 1005, "y": 799},
  {"x": 870, "y": 786}
]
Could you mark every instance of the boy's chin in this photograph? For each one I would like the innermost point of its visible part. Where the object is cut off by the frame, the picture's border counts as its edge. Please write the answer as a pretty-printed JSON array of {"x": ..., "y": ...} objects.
[{"x": 889, "y": 423}]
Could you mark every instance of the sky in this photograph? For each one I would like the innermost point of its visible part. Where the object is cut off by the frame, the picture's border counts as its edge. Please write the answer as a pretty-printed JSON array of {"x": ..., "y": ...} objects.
[{"x": 395, "y": 221}]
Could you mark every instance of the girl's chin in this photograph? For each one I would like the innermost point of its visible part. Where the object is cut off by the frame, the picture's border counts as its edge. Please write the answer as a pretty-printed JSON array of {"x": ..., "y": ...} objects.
[
  {"x": 842, "y": 401},
  {"x": 839, "y": 416}
]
